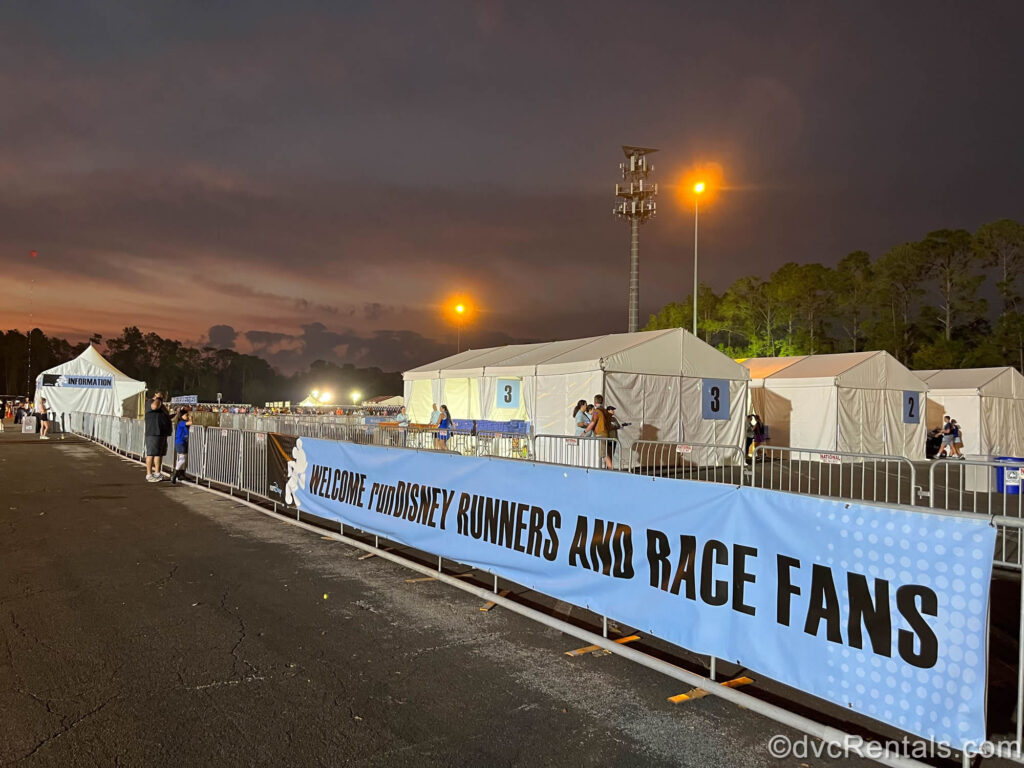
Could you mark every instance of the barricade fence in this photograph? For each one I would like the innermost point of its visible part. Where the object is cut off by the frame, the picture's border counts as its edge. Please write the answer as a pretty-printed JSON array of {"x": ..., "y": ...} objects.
[
  {"x": 836, "y": 474},
  {"x": 691, "y": 461},
  {"x": 237, "y": 459}
]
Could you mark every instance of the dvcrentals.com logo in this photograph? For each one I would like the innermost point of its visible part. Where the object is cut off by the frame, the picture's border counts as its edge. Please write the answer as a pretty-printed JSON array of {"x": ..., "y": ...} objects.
[{"x": 782, "y": 746}]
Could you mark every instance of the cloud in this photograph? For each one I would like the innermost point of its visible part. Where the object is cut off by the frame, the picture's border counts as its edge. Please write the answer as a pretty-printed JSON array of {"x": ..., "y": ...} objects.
[{"x": 222, "y": 336}]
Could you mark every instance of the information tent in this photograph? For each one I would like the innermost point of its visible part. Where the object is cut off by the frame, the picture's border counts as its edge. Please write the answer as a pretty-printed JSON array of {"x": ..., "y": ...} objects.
[{"x": 90, "y": 384}]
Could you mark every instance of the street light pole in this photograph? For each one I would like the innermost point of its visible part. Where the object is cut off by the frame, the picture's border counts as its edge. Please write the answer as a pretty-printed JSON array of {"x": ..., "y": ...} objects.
[
  {"x": 698, "y": 189},
  {"x": 696, "y": 207}
]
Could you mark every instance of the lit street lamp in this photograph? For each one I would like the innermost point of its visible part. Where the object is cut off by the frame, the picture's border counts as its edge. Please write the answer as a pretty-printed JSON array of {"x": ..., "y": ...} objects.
[
  {"x": 355, "y": 397},
  {"x": 460, "y": 310},
  {"x": 698, "y": 190}
]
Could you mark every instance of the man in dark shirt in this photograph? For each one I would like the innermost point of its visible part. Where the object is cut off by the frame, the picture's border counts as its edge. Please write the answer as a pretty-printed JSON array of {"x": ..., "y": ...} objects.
[{"x": 158, "y": 429}]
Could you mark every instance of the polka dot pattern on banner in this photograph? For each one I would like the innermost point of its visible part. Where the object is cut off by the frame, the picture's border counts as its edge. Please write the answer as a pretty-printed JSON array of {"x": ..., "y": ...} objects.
[{"x": 947, "y": 556}]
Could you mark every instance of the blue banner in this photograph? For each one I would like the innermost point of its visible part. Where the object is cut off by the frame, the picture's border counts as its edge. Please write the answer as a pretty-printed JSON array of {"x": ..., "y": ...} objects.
[
  {"x": 77, "y": 381},
  {"x": 879, "y": 610}
]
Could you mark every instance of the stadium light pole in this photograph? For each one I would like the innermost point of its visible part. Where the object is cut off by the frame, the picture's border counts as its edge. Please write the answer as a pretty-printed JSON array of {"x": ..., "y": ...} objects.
[
  {"x": 636, "y": 204},
  {"x": 698, "y": 190}
]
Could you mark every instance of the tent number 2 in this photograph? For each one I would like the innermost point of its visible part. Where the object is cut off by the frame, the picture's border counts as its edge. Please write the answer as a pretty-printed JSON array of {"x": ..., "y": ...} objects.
[
  {"x": 507, "y": 397},
  {"x": 716, "y": 395},
  {"x": 910, "y": 406}
]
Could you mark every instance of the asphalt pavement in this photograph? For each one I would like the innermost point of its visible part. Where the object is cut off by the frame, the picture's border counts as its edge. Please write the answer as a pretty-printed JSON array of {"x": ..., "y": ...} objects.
[{"x": 156, "y": 625}]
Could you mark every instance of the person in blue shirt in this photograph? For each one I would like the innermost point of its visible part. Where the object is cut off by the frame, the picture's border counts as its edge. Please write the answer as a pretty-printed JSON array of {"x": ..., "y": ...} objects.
[
  {"x": 435, "y": 415},
  {"x": 444, "y": 429},
  {"x": 181, "y": 443},
  {"x": 581, "y": 417}
]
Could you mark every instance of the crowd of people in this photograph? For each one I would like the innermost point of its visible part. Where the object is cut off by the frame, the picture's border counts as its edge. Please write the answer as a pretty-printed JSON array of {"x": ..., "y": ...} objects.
[
  {"x": 19, "y": 410},
  {"x": 599, "y": 420}
]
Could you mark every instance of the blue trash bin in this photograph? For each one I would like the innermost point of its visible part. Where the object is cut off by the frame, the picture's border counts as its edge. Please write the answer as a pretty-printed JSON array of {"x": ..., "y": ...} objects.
[{"x": 1008, "y": 478}]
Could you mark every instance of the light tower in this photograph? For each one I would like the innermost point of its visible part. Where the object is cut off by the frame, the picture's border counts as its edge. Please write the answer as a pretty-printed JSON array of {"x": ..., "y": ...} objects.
[{"x": 636, "y": 195}]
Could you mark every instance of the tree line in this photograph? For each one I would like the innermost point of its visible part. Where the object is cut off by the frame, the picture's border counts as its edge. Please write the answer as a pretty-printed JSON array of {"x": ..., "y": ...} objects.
[
  {"x": 950, "y": 300},
  {"x": 170, "y": 366}
]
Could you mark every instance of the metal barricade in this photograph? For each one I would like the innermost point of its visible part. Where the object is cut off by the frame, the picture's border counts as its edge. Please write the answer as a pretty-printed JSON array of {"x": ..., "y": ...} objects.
[
  {"x": 584, "y": 452},
  {"x": 837, "y": 474},
  {"x": 503, "y": 445},
  {"x": 691, "y": 461},
  {"x": 223, "y": 449},
  {"x": 974, "y": 486},
  {"x": 252, "y": 473},
  {"x": 196, "y": 464}
]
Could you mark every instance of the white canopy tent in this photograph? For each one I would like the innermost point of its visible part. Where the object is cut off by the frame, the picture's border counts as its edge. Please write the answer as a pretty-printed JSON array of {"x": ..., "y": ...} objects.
[
  {"x": 857, "y": 402},
  {"x": 90, "y": 384},
  {"x": 669, "y": 384},
  {"x": 987, "y": 403}
]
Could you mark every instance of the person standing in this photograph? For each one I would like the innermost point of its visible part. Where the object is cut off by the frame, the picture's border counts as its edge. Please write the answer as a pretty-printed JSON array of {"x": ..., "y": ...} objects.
[
  {"x": 958, "y": 440},
  {"x": 598, "y": 427},
  {"x": 580, "y": 417},
  {"x": 181, "y": 444},
  {"x": 444, "y": 427},
  {"x": 613, "y": 436},
  {"x": 20, "y": 412},
  {"x": 44, "y": 420},
  {"x": 947, "y": 439},
  {"x": 435, "y": 415},
  {"x": 158, "y": 429}
]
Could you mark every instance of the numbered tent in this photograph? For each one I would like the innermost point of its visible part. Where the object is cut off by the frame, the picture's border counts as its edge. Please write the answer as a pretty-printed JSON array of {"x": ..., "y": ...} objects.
[
  {"x": 987, "y": 403},
  {"x": 855, "y": 402},
  {"x": 90, "y": 384},
  {"x": 668, "y": 384}
]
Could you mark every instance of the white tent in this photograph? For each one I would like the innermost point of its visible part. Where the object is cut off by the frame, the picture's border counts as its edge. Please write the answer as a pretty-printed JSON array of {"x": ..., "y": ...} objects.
[
  {"x": 858, "y": 402},
  {"x": 669, "y": 384},
  {"x": 987, "y": 403},
  {"x": 90, "y": 384}
]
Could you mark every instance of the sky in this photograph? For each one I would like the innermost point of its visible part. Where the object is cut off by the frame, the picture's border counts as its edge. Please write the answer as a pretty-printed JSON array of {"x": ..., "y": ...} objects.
[{"x": 311, "y": 180}]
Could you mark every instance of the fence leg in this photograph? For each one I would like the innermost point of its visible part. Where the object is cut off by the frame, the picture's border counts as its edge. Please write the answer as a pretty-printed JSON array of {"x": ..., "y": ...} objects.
[
  {"x": 714, "y": 663},
  {"x": 495, "y": 583},
  {"x": 604, "y": 625},
  {"x": 1019, "y": 712},
  {"x": 438, "y": 563}
]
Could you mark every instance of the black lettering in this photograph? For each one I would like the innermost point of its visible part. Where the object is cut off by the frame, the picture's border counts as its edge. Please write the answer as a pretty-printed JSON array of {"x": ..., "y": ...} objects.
[
  {"x": 551, "y": 545},
  {"x": 335, "y": 481},
  {"x": 535, "y": 537},
  {"x": 906, "y": 602},
  {"x": 871, "y": 611},
  {"x": 714, "y": 551},
  {"x": 601, "y": 547},
  {"x": 508, "y": 523},
  {"x": 685, "y": 569},
  {"x": 578, "y": 548},
  {"x": 491, "y": 520},
  {"x": 740, "y": 578},
  {"x": 461, "y": 514},
  {"x": 657, "y": 559},
  {"x": 622, "y": 549},
  {"x": 520, "y": 527},
  {"x": 786, "y": 588},
  {"x": 824, "y": 605}
]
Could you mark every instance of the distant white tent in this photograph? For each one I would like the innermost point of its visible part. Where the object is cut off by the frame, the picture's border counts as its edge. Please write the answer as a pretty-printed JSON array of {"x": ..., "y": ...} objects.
[
  {"x": 987, "y": 403},
  {"x": 90, "y": 384},
  {"x": 669, "y": 384},
  {"x": 858, "y": 402}
]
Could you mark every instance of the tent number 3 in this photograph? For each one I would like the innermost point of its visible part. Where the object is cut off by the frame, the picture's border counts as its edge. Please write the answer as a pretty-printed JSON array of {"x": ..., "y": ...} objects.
[
  {"x": 508, "y": 394},
  {"x": 716, "y": 394}
]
